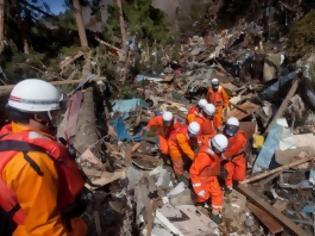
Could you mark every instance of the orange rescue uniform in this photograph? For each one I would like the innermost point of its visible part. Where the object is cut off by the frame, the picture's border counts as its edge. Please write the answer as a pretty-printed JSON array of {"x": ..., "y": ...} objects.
[
  {"x": 38, "y": 195},
  {"x": 208, "y": 128},
  {"x": 236, "y": 162},
  {"x": 220, "y": 99},
  {"x": 156, "y": 124},
  {"x": 203, "y": 174},
  {"x": 192, "y": 113},
  {"x": 180, "y": 145}
]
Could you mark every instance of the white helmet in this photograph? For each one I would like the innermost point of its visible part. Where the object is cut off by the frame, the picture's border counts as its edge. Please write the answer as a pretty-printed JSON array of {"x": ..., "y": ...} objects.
[
  {"x": 202, "y": 103},
  {"x": 34, "y": 95},
  {"x": 194, "y": 128},
  {"x": 219, "y": 143},
  {"x": 167, "y": 116},
  {"x": 233, "y": 121},
  {"x": 215, "y": 82},
  {"x": 231, "y": 127},
  {"x": 209, "y": 109}
]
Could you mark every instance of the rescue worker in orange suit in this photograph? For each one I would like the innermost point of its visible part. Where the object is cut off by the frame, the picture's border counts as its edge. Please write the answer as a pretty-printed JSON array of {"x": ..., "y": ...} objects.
[
  {"x": 40, "y": 182},
  {"x": 217, "y": 95},
  {"x": 182, "y": 143},
  {"x": 195, "y": 110},
  {"x": 208, "y": 122},
  {"x": 234, "y": 157},
  {"x": 204, "y": 174},
  {"x": 162, "y": 126}
]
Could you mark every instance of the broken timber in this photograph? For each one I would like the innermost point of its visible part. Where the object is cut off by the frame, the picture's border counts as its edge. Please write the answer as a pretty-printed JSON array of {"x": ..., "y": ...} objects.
[
  {"x": 284, "y": 103},
  {"x": 276, "y": 170},
  {"x": 273, "y": 226},
  {"x": 285, "y": 221}
]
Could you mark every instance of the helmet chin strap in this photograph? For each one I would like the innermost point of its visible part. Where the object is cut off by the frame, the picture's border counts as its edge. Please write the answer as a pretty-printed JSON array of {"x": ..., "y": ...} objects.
[
  {"x": 49, "y": 116},
  {"x": 43, "y": 124},
  {"x": 38, "y": 125}
]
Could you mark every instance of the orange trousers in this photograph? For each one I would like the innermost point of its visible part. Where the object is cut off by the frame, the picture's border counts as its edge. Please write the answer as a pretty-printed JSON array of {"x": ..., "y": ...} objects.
[
  {"x": 177, "y": 160},
  {"x": 163, "y": 145},
  {"x": 209, "y": 189},
  {"x": 219, "y": 115},
  {"x": 236, "y": 170}
]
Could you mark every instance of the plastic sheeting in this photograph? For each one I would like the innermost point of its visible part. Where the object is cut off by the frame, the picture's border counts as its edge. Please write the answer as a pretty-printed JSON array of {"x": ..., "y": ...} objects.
[
  {"x": 277, "y": 87},
  {"x": 122, "y": 132},
  {"x": 127, "y": 105},
  {"x": 279, "y": 136}
]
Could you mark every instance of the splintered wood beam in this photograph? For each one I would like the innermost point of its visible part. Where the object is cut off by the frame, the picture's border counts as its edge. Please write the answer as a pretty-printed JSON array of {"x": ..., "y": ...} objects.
[
  {"x": 265, "y": 218},
  {"x": 284, "y": 103},
  {"x": 261, "y": 203},
  {"x": 276, "y": 170}
]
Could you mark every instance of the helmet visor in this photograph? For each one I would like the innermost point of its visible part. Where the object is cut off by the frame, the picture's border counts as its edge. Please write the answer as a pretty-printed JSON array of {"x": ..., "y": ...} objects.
[{"x": 230, "y": 130}]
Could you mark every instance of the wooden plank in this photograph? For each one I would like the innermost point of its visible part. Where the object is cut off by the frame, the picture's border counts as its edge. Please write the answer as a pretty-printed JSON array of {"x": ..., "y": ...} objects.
[
  {"x": 249, "y": 128},
  {"x": 281, "y": 168},
  {"x": 257, "y": 200},
  {"x": 243, "y": 110},
  {"x": 284, "y": 103},
  {"x": 273, "y": 226}
]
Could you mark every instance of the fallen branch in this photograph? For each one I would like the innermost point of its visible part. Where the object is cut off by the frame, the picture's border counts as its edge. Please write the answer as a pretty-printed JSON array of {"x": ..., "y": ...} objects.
[
  {"x": 276, "y": 170},
  {"x": 110, "y": 45},
  {"x": 68, "y": 60}
]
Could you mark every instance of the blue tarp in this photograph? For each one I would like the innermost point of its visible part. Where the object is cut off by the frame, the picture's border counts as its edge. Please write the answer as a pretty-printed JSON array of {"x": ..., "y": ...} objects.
[
  {"x": 127, "y": 105},
  {"x": 122, "y": 132}
]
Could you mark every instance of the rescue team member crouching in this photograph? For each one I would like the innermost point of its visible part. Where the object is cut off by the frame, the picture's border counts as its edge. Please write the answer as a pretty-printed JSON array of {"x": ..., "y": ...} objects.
[
  {"x": 182, "y": 143},
  {"x": 39, "y": 183},
  {"x": 234, "y": 157},
  {"x": 204, "y": 174},
  {"x": 195, "y": 110},
  {"x": 219, "y": 98},
  {"x": 162, "y": 126}
]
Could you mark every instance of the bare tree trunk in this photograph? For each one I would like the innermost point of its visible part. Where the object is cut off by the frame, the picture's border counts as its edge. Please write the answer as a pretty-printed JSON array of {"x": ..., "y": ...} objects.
[
  {"x": 122, "y": 24},
  {"x": 26, "y": 46},
  {"x": 2, "y": 39},
  {"x": 80, "y": 24},
  {"x": 25, "y": 40}
]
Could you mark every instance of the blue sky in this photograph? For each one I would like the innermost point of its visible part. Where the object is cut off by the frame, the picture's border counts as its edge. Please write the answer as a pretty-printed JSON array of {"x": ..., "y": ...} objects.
[{"x": 56, "y": 6}]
